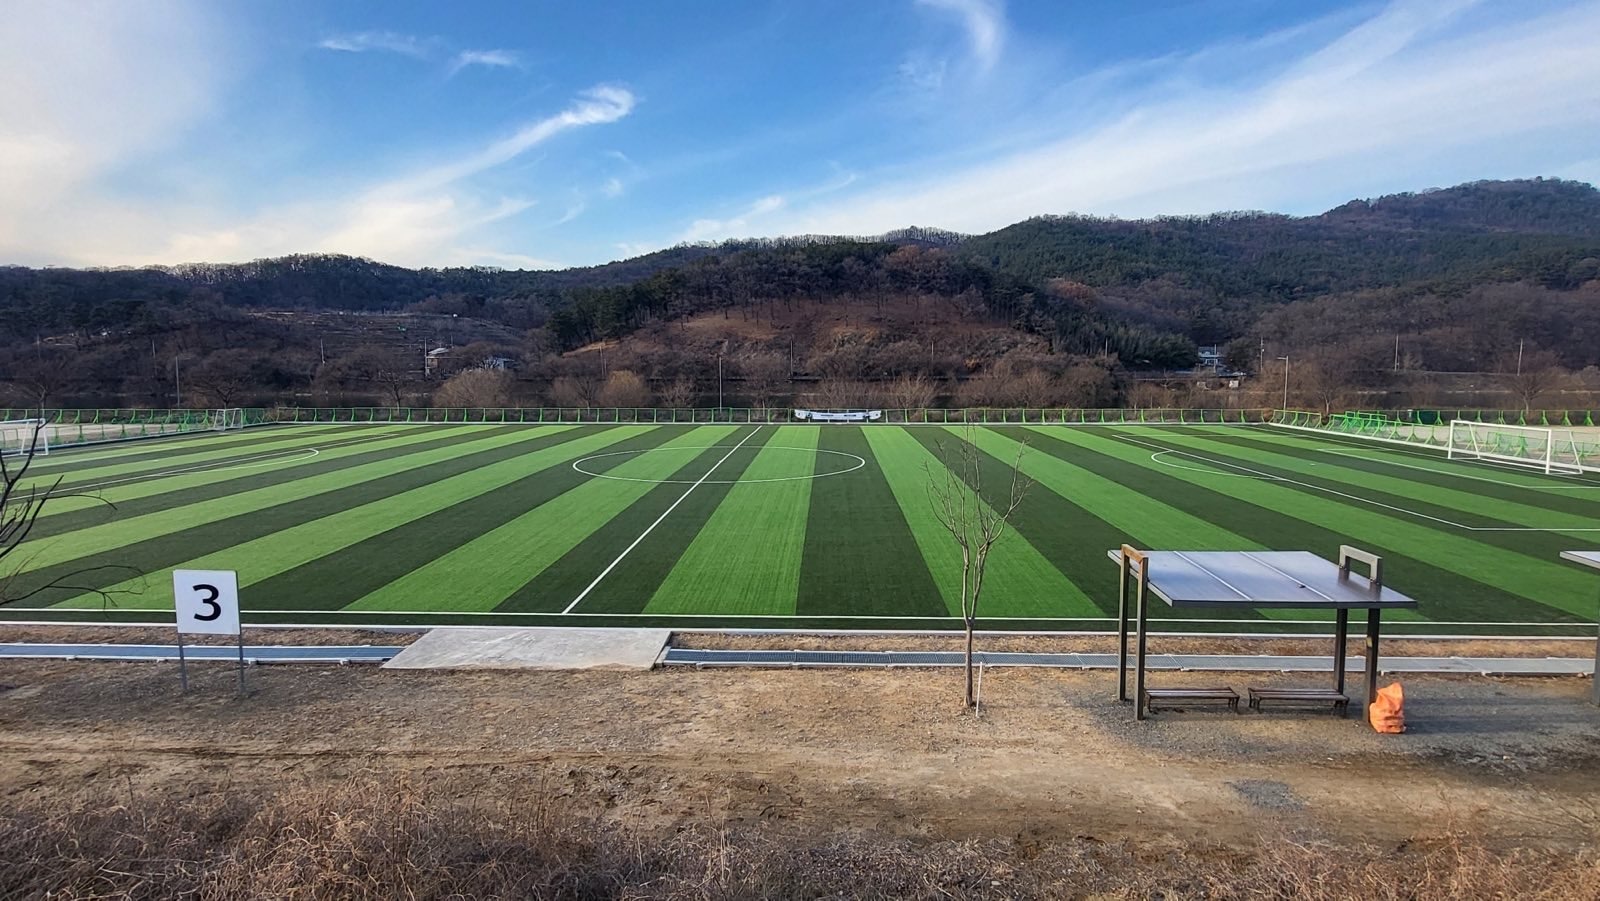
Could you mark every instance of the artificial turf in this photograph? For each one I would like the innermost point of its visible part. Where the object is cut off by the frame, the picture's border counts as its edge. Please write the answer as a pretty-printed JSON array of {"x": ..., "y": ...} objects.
[{"x": 780, "y": 525}]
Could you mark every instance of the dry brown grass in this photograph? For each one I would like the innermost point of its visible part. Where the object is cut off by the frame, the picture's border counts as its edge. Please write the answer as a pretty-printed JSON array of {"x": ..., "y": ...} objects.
[{"x": 392, "y": 838}]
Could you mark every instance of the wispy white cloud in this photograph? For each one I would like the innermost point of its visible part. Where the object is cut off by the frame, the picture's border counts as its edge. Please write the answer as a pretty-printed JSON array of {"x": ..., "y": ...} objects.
[
  {"x": 740, "y": 224},
  {"x": 985, "y": 25},
  {"x": 380, "y": 41},
  {"x": 492, "y": 59},
  {"x": 612, "y": 188},
  {"x": 1418, "y": 81}
]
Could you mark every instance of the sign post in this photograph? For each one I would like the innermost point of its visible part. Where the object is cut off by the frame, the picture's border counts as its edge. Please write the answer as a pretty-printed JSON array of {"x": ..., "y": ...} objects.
[{"x": 207, "y": 603}]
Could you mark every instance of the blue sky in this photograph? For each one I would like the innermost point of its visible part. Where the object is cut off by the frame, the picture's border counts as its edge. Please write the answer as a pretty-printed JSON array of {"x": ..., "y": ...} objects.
[{"x": 538, "y": 133}]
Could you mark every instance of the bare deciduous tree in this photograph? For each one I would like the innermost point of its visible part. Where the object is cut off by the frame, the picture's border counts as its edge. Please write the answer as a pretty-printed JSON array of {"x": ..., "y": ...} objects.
[
  {"x": 975, "y": 521},
  {"x": 1533, "y": 376},
  {"x": 679, "y": 393},
  {"x": 624, "y": 389},
  {"x": 911, "y": 392},
  {"x": 475, "y": 388}
]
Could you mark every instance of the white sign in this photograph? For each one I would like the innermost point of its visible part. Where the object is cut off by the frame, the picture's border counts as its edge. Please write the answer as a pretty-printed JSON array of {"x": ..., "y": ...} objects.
[{"x": 207, "y": 601}]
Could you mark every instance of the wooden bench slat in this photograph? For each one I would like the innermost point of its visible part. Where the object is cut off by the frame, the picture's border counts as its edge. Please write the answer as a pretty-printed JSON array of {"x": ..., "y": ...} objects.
[
  {"x": 1221, "y": 693},
  {"x": 1340, "y": 701}
]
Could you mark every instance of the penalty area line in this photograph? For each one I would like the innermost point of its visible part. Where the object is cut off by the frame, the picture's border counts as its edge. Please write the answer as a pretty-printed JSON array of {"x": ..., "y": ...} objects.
[{"x": 668, "y": 512}]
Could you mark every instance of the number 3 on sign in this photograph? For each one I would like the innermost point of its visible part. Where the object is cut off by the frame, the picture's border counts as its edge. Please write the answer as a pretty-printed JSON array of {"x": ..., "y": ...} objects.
[{"x": 207, "y": 601}]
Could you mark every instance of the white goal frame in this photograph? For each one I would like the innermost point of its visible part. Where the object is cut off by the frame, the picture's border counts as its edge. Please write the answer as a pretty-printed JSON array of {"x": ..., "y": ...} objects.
[
  {"x": 1548, "y": 450},
  {"x": 227, "y": 419},
  {"x": 17, "y": 434}
]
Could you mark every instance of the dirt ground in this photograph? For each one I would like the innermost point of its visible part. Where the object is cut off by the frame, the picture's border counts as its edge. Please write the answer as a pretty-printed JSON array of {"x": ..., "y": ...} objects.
[
  {"x": 1051, "y": 758},
  {"x": 1107, "y": 644}
]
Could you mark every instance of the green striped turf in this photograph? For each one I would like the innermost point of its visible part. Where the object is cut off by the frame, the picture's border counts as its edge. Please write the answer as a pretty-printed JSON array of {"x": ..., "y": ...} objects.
[
  {"x": 1018, "y": 579},
  {"x": 479, "y": 518},
  {"x": 293, "y": 545},
  {"x": 156, "y": 494},
  {"x": 450, "y": 558},
  {"x": 724, "y": 571},
  {"x": 1483, "y": 582},
  {"x": 628, "y": 586},
  {"x": 492, "y": 569},
  {"x": 860, "y": 556}
]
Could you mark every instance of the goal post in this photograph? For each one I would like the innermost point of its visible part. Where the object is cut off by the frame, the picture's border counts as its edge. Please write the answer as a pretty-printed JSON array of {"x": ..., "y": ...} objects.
[
  {"x": 20, "y": 436},
  {"x": 1545, "y": 449},
  {"x": 227, "y": 419}
]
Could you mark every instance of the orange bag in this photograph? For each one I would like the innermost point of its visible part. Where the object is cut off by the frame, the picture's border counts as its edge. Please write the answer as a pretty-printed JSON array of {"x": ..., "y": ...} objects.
[{"x": 1388, "y": 712}]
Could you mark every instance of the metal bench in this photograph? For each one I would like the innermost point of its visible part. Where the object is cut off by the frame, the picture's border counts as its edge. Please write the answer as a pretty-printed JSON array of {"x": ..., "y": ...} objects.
[
  {"x": 1152, "y": 695},
  {"x": 1339, "y": 700}
]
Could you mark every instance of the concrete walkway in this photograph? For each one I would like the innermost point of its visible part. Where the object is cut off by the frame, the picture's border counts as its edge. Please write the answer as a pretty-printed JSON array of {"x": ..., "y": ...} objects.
[{"x": 548, "y": 649}]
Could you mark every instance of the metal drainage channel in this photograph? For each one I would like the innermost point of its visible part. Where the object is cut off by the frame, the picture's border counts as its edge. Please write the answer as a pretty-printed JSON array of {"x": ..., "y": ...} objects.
[
  {"x": 229, "y": 653},
  {"x": 705, "y": 658}
]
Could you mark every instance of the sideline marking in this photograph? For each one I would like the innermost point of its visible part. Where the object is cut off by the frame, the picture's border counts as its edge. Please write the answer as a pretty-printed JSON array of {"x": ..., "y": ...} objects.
[
  {"x": 1355, "y": 497},
  {"x": 629, "y": 549}
]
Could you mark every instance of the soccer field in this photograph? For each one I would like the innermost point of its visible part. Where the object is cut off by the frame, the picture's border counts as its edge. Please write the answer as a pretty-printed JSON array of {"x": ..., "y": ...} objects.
[{"x": 781, "y": 526}]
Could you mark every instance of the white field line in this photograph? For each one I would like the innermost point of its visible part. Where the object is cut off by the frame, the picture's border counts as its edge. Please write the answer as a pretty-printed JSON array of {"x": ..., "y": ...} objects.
[
  {"x": 1354, "y": 497},
  {"x": 668, "y": 512}
]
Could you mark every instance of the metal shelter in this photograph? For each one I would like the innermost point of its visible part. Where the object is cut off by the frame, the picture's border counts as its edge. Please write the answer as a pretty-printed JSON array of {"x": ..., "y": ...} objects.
[{"x": 1253, "y": 579}]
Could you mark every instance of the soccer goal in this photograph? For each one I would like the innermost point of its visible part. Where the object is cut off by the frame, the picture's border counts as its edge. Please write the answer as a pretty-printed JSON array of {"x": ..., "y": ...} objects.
[
  {"x": 227, "y": 419},
  {"x": 18, "y": 435},
  {"x": 1549, "y": 450}
]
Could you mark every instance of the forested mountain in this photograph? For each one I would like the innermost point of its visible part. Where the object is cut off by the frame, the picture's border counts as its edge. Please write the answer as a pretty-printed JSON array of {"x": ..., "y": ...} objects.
[{"x": 1441, "y": 280}]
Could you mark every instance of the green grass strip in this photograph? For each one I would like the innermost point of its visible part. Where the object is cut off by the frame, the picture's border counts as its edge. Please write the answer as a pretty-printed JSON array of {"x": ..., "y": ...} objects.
[
  {"x": 1513, "y": 574},
  {"x": 630, "y": 584},
  {"x": 861, "y": 557},
  {"x": 156, "y": 450},
  {"x": 86, "y": 545},
  {"x": 746, "y": 559},
  {"x": 269, "y": 555},
  {"x": 1018, "y": 579},
  {"x": 361, "y": 568},
  {"x": 1335, "y": 472},
  {"x": 177, "y": 490},
  {"x": 1075, "y": 515},
  {"x": 483, "y": 573},
  {"x": 125, "y": 465}
]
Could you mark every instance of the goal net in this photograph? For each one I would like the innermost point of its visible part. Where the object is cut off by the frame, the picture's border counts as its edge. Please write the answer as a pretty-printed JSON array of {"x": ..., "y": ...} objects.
[
  {"x": 1549, "y": 450},
  {"x": 227, "y": 419},
  {"x": 18, "y": 436}
]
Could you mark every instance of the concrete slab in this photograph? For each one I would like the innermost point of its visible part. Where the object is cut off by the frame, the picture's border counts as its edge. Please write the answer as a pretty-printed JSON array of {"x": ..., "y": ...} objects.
[{"x": 548, "y": 649}]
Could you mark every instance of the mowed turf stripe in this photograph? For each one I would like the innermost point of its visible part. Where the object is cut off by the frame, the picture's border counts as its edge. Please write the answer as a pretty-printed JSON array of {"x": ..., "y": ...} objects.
[
  {"x": 285, "y": 548},
  {"x": 746, "y": 559},
  {"x": 612, "y": 514},
  {"x": 1460, "y": 501},
  {"x": 141, "y": 498},
  {"x": 1018, "y": 579},
  {"x": 1359, "y": 465},
  {"x": 1466, "y": 579},
  {"x": 149, "y": 542},
  {"x": 1434, "y": 458},
  {"x": 444, "y": 560},
  {"x": 122, "y": 465},
  {"x": 628, "y": 586},
  {"x": 1540, "y": 549},
  {"x": 1074, "y": 515},
  {"x": 144, "y": 450},
  {"x": 861, "y": 558}
]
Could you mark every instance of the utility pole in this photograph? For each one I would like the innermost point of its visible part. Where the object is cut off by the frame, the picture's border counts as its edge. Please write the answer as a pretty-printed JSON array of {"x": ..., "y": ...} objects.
[
  {"x": 1520, "y": 345},
  {"x": 177, "y": 385},
  {"x": 1396, "y": 351},
  {"x": 1285, "y": 360}
]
